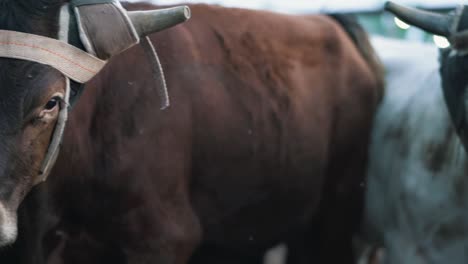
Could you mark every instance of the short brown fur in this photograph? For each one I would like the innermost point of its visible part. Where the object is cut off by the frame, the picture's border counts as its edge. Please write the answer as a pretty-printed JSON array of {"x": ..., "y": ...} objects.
[{"x": 265, "y": 141}]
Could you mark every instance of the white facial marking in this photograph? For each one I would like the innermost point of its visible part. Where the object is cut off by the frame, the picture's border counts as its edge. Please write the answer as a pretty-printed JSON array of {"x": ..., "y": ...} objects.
[{"x": 8, "y": 226}]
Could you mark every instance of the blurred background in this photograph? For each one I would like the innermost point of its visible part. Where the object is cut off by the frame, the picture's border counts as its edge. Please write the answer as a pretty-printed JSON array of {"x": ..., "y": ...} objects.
[{"x": 369, "y": 13}]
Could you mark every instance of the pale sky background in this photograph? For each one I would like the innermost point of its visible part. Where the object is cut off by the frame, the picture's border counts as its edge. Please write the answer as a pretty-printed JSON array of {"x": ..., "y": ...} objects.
[
  {"x": 310, "y": 6},
  {"x": 327, "y": 6}
]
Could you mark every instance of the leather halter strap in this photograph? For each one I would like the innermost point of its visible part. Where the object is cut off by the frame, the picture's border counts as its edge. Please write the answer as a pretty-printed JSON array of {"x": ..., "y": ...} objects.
[
  {"x": 74, "y": 63},
  {"x": 54, "y": 146}
]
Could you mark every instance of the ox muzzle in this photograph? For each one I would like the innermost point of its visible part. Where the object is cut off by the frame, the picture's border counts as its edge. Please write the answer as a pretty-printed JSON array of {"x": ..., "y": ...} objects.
[{"x": 83, "y": 48}]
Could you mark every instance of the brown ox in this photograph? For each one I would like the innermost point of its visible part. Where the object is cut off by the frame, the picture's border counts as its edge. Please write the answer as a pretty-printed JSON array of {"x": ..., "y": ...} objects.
[{"x": 265, "y": 141}]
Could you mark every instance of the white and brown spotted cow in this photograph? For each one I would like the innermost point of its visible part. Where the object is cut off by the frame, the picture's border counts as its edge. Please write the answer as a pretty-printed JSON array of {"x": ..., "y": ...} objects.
[{"x": 417, "y": 199}]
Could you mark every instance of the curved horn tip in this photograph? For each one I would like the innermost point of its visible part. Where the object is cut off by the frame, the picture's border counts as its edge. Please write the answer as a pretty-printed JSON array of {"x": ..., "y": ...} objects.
[
  {"x": 389, "y": 5},
  {"x": 432, "y": 22},
  {"x": 151, "y": 21},
  {"x": 187, "y": 12}
]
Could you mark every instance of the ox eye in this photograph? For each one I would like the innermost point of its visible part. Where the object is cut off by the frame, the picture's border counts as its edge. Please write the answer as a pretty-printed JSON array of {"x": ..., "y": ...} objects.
[{"x": 53, "y": 102}]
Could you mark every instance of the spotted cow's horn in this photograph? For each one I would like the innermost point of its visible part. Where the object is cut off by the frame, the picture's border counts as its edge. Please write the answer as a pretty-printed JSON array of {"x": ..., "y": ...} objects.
[
  {"x": 429, "y": 21},
  {"x": 147, "y": 22}
]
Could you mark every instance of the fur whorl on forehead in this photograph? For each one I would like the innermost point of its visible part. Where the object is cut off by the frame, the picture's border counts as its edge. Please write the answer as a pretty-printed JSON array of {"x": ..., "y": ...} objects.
[{"x": 31, "y": 16}]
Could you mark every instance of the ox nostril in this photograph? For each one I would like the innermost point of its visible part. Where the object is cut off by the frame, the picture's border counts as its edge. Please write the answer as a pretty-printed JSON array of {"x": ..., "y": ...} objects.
[{"x": 8, "y": 226}]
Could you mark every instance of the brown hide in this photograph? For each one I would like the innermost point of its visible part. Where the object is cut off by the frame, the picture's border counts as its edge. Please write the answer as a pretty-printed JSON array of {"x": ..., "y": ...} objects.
[{"x": 265, "y": 141}]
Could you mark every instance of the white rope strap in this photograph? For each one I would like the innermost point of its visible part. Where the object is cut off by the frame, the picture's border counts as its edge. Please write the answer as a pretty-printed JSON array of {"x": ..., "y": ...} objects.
[
  {"x": 74, "y": 63},
  {"x": 54, "y": 146}
]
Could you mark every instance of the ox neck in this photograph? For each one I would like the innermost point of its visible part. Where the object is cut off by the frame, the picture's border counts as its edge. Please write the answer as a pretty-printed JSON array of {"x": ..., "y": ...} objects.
[{"x": 454, "y": 82}]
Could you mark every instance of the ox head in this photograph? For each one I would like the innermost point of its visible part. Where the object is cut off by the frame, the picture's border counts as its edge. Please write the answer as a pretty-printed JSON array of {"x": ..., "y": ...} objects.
[
  {"x": 454, "y": 60},
  {"x": 44, "y": 46}
]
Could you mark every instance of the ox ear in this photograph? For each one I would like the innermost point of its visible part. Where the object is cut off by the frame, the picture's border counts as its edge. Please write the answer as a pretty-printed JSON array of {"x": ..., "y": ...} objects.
[
  {"x": 429, "y": 21},
  {"x": 106, "y": 28}
]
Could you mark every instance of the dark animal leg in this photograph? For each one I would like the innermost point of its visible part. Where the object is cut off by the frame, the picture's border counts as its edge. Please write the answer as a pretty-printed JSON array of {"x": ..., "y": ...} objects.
[
  {"x": 336, "y": 246},
  {"x": 162, "y": 236},
  {"x": 302, "y": 250},
  {"x": 215, "y": 255},
  {"x": 54, "y": 255},
  {"x": 330, "y": 239},
  {"x": 329, "y": 242},
  {"x": 342, "y": 208}
]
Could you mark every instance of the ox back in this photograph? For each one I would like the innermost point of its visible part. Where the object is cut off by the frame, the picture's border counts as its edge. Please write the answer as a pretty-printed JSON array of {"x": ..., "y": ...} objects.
[{"x": 265, "y": 141}]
